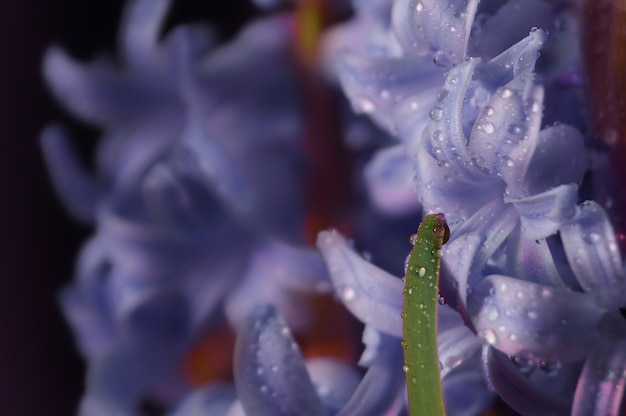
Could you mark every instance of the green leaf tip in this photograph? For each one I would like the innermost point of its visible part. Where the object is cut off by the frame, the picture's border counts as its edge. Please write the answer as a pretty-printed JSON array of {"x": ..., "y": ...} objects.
[{"x": 421, "y": 291}]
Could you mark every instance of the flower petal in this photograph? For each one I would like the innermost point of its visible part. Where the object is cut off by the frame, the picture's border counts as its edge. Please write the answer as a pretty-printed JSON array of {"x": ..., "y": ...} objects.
[
  {"x": 455, "y": 347},
  {"x": 592, "y": 251},
  {"x": 516, "y": 316},
  {"x": 78, "y": 191},
  {"x": 381, "y": 391},
  {"x": 518, "y": 391},
  {"x": 543, "y": 214},
  {"x": 270, "y": 375},
  {"x": 434, "y": 27},
  {"x": 505, "y": 134},
  {"x": 389, "y": 179},
  {"x": 334, "y": 381},
  {"x": 371, "y": 294},
  {"x": 600, "y": 389}
]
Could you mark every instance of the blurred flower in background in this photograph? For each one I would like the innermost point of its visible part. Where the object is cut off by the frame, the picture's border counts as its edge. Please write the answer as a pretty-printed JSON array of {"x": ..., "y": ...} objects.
[{"x": 201, "y": 290}]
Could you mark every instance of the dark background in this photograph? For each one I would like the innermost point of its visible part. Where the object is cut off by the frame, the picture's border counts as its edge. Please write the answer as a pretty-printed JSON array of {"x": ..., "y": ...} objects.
[{"x": 41, "y": 372}]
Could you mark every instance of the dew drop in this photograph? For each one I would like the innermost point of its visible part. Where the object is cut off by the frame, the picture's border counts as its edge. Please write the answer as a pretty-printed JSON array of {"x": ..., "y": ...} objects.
[
  {"x": 550, "y": 367},
  {"x": 406, "y": 368},
  {"x": 488, "y": 111},
  {"x": 438, "y": 135},
  {"x": 419, "y": 6},
  {"x": 442, "y": 94},
  {"x": 487, "y": 127},
  {"x": 506, "y": 93},
  {"x": 421, "y": 272},
  {"x": 436, "y": 113},
  {"x": 367, "y": 106},
  {"x": 488, "y": 336},
  {"x": 525, "y": 363}
]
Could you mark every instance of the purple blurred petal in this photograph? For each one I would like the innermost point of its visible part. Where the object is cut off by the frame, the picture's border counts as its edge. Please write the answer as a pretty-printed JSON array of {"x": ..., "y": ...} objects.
[
  {"x": 77, "y": 189},
  {"x": 334, "y": 381},
  {"x": 389, "y": 176},
  {"x": 381, "y": 391},
  {"x": 591, "y": 248},
  {"x": 543, "y": 214},
  {"x": 515, "y": 316},
  {"x": 371, "y": 294},
  {"x": 455, "y": 347},
  {"x": 600, "y": 388},
  {"x": 270, "y": 375}
]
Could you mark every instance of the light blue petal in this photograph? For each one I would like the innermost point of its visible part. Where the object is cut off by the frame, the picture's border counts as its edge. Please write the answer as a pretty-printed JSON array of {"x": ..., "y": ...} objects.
[
  {"x": 518, "y": 391},
  {"x": 381, "y": 391},
  {"x": 505, "y": 134},
  {"x": 560, "y": 158},
  {"x": 591, "y": 248},
  {"x": 455, "y": 347},
  {"x": 516, "y": 316},
  {"x": 600, "y": 389},
  {"x": 334, "y": 381},
  {"x": 531, "y": 260},
  {"x": 371, "y": 294},
  {"x": 77, "y": 189},
  {"x": 543, "y": 214},
  {"x": 434, "y": 27},
  {"x": 270, "y": 375},
  {"x": 389, "y": 179}
]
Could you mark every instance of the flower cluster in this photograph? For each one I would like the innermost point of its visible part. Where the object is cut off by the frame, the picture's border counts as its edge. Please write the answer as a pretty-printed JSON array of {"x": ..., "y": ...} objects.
[{"x": 204, "y": 193}]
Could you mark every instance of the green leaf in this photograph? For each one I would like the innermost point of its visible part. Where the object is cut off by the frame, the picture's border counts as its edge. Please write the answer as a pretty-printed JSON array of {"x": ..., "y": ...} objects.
[{"x": 421, "y": 361}]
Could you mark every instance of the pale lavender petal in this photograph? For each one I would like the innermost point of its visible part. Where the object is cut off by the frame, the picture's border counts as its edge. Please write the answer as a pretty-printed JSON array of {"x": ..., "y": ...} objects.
[
  {"x": 389, "y": 178},
  {"x": 455, "y": 347},
  {"x": 515, "y": 316},
  {"x": 601, "y": 385},
  {"x": 371, "y": 294},
  {"x": 505, "y": 134},
  {"x": 531, "y": 260},
  {"x": 93, "y": 92},
  {"x": 77, "y": 189},
  {"x": 543, "y": 214},
  {"x": 473, "y": 243},
  {"x": 215, "y": 399},
  {"x": 515, "y": 61},
  {"x": 591, "y": 248},
  {"x": 561, "y": 158},
  {"x": 270, "y": 374},
  {"x": 465, "y": 392},
  {"x": 140, "y": 34},
  {"x": 334, "y": 380},
  {"x": 381, "y": 391},
  {"x": 518, "y": 391},
  {"x": 434, "y": 28},
  {"x": 378, "y": 85}
]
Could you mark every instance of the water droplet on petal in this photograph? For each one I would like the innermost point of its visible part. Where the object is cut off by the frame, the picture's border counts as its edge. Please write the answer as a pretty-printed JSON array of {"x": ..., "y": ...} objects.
[
  {"x": 550, "y": 367},
  {"x": 367, "y": 106},
  {"x": 488, "y": 111},
  {"x": 419, "y": 6},
  {"x": 347, "y": 293},
  {"x": 488, "y": 336},
  {"x": 436, "y": 113},
  {"x": 506, "y": 92},
  {"x": 487, "y": 127}
]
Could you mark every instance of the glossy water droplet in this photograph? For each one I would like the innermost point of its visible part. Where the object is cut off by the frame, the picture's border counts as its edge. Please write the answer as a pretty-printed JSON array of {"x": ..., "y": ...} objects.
[
  {"x": 487, "y": 127},
  {"x": 550, "y": 367},
  {"x": 406, "y": 368},
  {"x": 438, "y": 136},
  {"x": 367, "y": 106},
  {"x": 442, "y": 94},
  {"x": 413, "y": 239},
  {"x": 491, "y": 313},
  {"x": 506, "y": 92},
  {"x": 419, "y": 6},
  {"x": 525, "y": 363},
  {"x": 421, "y": 272},
  {"x": 488, "y": 111},
  {"x": 436, "y": 113}
]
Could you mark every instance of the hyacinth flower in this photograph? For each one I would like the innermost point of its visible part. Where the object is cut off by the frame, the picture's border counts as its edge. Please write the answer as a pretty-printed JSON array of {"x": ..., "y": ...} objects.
[{"x": 193, "y": 229}]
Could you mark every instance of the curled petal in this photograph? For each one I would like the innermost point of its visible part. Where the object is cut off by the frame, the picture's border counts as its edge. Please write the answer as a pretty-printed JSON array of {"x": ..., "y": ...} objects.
[
  {"x": 561, "y": 159},
  {"x": 94, "y": 93},
  {"x": 334, "y": 381},
  {"x": 432, "y": 27},
  {"x": 531, "y": 260},
  {"x": 543, "y": 214},
  {"x": 592, "y": 251},
  {"x": 214, "y": 399},
  {"x": 455, "y": 347},
  {"x": 77, "y": 189},
  {"x": 515, "y": 61},
  {"x": 474, "y": 242},
  {"x": 140, "y": 33},
  {"x": 515, "y": 316},
  {"x": 270, "y": 374},
  {"x": 505, "y": 134},
  {"x": 371, "y": 294},
  {"x": 601, "y": 385},
  {"x": 389, "y": 177},
  {"x": 381, "y": 391},
  {"x": 378, "y": 85},
  {"x": 518, "y": 391}
]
